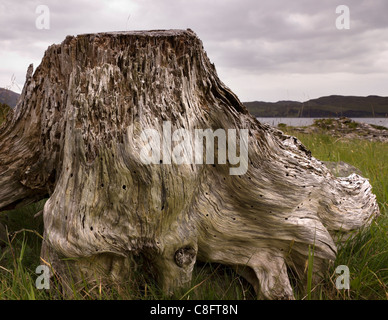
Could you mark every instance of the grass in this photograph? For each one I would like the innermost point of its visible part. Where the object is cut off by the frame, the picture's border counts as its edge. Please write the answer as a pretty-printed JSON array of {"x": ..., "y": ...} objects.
[
  {"x": 20, "y": 257},
  {"x": 369, "y": 157},
  {"x": 366, "y": 254}
]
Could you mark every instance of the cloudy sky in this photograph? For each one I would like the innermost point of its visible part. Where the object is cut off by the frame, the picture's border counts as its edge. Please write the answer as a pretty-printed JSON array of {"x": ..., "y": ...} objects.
[{"x": 265, "y": 50}]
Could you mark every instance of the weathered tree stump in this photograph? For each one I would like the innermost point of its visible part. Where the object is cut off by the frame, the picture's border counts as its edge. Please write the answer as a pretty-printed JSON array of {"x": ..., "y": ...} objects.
[{"x": 76, "y": 136}]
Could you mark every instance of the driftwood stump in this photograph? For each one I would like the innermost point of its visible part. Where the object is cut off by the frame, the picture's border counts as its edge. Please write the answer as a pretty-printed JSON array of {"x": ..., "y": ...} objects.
[{"x": 77, "y": 137}]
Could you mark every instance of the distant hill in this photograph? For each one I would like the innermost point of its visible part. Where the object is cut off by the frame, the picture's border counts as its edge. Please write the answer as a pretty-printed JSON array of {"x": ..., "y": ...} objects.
[
  {"x": 330, "y": 106},
  {"x": 9, "y": 97}
]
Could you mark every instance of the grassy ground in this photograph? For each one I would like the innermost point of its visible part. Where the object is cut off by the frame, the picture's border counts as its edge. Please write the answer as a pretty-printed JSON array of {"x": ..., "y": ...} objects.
[{"x": 366, "y": 255}]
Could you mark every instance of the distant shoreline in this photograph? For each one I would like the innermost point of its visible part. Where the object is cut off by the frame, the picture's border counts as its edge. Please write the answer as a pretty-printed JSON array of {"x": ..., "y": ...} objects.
[
  {"x": 325, "y": 107},
  {"x": 343, "y": 128}
]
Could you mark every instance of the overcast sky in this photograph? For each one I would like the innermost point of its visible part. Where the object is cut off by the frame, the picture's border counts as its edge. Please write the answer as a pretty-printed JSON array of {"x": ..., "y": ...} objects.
[{"x": 265, "y": 50}]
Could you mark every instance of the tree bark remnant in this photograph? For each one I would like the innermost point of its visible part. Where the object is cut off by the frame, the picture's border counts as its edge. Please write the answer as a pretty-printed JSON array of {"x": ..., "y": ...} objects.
[{"x": 75, "y": 136}]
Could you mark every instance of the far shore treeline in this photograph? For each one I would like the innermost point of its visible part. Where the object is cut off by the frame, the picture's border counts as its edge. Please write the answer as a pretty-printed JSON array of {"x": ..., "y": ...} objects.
[{"x": 330, "y": 107}]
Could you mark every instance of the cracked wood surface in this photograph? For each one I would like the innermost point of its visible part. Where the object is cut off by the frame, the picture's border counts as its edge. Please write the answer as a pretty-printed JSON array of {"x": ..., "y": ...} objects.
[{"x": 75, "y": 137}]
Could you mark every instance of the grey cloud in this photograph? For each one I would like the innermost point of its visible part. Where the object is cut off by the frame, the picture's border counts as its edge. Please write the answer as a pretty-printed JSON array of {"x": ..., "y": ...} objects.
[{"x": 250, "y": 36}]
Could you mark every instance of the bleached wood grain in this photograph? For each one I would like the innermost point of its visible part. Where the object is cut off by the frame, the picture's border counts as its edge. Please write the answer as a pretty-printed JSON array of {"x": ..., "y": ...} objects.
[{"x": 74, "y": 136}]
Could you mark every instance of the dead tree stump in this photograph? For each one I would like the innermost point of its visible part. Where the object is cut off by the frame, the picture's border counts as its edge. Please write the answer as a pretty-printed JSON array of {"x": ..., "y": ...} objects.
[{"x": 77, "y": 136}]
